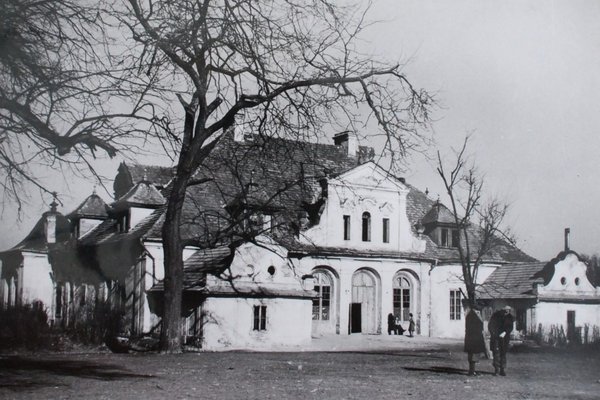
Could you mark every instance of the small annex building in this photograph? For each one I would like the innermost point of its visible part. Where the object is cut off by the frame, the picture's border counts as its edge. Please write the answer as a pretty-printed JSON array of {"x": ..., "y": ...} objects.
[
  {"x": 285, "y": 240},
  {"x": 554, "y": 301}
]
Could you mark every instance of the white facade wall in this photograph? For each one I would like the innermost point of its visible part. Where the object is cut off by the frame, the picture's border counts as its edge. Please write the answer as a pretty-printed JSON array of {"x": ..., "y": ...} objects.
[
  {"x": 443, "y": 279},
  {"x": 384, "y": 270},
  {"x": 36, "y": 282},
  {"x": 155, "y": 272},
  {"x": 228, "y": 322},
  {"x": 549, "y": 314},
  {"x": 365, "y": 189}
]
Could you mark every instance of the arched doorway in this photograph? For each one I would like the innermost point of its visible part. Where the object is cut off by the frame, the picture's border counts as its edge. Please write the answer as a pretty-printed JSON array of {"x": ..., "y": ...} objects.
[
  {"x": 402, "y": 297},
  {"x": 406, "y": 293},
  {"x": 364, "y": 307},
  {"x": 324, "y": 307}
]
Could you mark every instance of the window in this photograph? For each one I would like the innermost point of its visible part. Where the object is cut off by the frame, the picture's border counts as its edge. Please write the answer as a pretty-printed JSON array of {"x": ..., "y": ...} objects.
[
  {"x": 386, "y": 230},
  {"x": 58, "y": 302},
  {"x": 401, "y": 299},
  {"x": 366, "y": 227},
  {"x": 444, "y": 237},
  {"x": 455, "y": 307},
  {"x": 455, "y": 238},
  {"x": 346, "y": 227},
  {"x": 321, "y": 304},
  {"x": 260, "y": 318}
]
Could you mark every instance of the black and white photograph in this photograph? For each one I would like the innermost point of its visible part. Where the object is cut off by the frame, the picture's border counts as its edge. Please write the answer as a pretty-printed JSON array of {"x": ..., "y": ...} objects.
[{"x": 299, "y": 199}]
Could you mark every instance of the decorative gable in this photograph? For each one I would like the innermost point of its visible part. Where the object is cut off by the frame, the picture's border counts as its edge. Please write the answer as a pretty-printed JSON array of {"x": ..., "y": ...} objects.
[
  {"x": 568, "y": 280},
  {"x": 370, "y": 175}
]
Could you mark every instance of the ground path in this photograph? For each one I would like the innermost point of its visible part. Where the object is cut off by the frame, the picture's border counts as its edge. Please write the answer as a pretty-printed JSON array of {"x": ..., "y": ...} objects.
[{"x": 367, "y": 367}]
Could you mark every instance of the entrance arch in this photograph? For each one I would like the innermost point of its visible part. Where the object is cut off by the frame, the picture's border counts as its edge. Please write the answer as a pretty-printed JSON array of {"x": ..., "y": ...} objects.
[
  {"x": 325, "y": 316},
  {"x": 406, "y": 289},
  {"x": 364, "y": 308}
]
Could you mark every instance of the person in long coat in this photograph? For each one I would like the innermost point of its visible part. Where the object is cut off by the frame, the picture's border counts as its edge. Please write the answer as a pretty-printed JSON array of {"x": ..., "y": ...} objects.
[
  {"x": 500, "y": 327},
  {"x": 474, "y": 340}
]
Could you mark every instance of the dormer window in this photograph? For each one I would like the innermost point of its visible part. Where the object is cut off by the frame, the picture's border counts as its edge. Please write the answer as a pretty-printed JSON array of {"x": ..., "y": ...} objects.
[
  {"x": 366, "y": 227},
  {"x": 449, "y": 237},
  {"x": 123, "y": 222}
]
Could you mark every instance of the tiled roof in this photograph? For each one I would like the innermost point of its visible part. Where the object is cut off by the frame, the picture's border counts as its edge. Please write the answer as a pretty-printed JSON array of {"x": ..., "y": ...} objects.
[
  {"x": 35, "y": 241},
  {"x": 143, "y": 193},
  {"x": 513, "y": 281},
  {"x": 282, "y": 174},
  {"x": 92, "y": 207},
  {"x": 203, "y": 261},
  {"x": 438, "y": 214}
]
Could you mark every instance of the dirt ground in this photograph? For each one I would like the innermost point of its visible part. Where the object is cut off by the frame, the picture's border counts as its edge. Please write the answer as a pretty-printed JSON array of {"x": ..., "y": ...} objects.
[{"x": 438, "y": 372}]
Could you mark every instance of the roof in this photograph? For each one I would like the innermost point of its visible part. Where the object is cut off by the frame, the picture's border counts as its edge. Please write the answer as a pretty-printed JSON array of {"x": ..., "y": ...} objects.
[
  {"x": 438, "y": 214},
  {"x": 130, "y": 174},
  {"x": 513, "y": 281},
  {"x": 92, "y": 207},
  {"x": 142, "y": 194},
  {"x": 36, "y": 241},
  {"x": 280, "y": 174}
]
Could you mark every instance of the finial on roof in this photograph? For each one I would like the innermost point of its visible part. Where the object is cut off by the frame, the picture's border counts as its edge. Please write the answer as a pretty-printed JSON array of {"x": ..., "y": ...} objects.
[
  {"x": 54, "y": 204},
  {"x": 94, "y": 191},
  {"x": 426, "y": 191}
]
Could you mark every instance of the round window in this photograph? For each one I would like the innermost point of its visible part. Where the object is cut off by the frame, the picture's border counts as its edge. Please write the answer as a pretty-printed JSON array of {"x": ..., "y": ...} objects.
[
  {"x": 271, "y": 270},
  {"x": 249, "y": 270},
  {"x": 563, "y": 280},
  {"x": 577, "y": 281}
]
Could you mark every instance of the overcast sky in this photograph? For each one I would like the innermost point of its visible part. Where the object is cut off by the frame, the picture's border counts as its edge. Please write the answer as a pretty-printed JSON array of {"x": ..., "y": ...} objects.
[{"x": 521, "y": 76}]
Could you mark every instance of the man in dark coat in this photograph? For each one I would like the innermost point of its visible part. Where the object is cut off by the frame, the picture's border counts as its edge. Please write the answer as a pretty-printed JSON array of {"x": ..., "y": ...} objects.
[
  {"x": 500, "y": 327},
  {"x": 474, "y": 341}
]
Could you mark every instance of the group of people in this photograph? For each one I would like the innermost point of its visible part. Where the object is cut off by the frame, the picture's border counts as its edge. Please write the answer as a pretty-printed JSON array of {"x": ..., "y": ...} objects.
[
  {"x": 500, "y": 326},
  {"x": 395, "y": 325}
]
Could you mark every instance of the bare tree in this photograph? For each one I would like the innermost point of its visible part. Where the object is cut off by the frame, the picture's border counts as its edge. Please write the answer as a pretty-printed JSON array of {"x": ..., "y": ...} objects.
[
  {"x": 64, "y": 96},
  {"x": 288, "y": 68},
  {"x": 479, "y": 221}
]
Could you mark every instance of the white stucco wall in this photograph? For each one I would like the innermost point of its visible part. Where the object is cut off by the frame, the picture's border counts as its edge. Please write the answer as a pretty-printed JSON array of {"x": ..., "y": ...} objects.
[
  {"x": 549, "y": 314},
  {"x": 155, "y": 272},
  {"x": 343, "y": 269},
  {"x": 445, "y": 278},
  {"x": 568, "y": 290},
  {"x": 37, "y": 283},
  {"x": 365, "y": 189},
  {"x": 228, "y": 323}
]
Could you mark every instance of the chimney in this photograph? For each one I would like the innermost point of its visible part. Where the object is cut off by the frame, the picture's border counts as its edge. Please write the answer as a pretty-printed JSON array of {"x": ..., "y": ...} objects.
[
  {"x": 50, "y": 223},
  {"x": 567, "y": 237},
  {"x": 347, "y": 139}
]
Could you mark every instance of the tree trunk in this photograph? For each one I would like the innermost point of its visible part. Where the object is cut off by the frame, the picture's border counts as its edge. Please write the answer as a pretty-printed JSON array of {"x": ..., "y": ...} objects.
[{"x": 170, "y": 336}]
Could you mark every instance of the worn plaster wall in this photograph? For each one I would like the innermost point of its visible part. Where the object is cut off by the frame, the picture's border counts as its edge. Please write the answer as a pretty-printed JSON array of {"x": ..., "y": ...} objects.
[
  {"x": 37, "y": 283},
  {"x": 384, "y": 271},
  {"x": 365, "y": 189},
  {"x": 445, "y": 278},
  {"x": 228, "y": 322}
]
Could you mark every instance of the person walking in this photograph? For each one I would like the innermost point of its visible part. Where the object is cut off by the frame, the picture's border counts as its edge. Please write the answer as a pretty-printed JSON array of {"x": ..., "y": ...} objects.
[
  {"x": 500, "y": 327},
  {"x": 474, "y": 340},
  {"x": 411, "y": 325}
]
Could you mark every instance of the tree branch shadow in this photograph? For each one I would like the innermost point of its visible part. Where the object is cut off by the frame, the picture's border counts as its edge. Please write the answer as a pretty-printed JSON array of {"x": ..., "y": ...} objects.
[
  {"x": 20, "y": 373},
  {"x": 445, "y": 370}
]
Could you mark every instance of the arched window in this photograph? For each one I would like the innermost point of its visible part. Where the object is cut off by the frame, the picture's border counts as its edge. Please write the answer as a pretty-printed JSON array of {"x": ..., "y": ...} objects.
[
  {"x": 322, "y": 304},
  {"x": 402, "y": 288},
  {"x": 366, "y": 227}
]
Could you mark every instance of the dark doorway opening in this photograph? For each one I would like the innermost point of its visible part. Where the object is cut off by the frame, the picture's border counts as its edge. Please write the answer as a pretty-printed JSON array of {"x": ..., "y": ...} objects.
[
  {"x": 571, "y": 326},
  {"x": 355, "y": 317}
]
